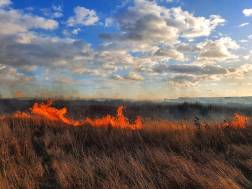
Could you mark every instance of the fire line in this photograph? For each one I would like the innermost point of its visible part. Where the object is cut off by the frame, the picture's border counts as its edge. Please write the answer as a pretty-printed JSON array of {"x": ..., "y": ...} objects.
[{"x": 52, "y": 113}]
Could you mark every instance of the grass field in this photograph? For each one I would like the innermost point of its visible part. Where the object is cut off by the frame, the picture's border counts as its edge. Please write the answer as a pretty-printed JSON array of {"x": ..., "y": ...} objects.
[{"x": 40, "y": 153}]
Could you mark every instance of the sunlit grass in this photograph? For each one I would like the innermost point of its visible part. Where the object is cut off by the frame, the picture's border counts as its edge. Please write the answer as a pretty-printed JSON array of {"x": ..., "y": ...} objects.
[{"x": 39, "y": 153}]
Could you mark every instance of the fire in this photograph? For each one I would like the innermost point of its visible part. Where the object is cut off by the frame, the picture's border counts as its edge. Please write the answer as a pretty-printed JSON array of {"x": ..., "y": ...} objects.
[
  {"x": 2, "y": 117},
  {"x": 238, "y": 123},
  {"x": 21, "y": 114},
  {"x": 52, "y": 113},
  {"x": 118, "y": 121},
  {"x": 19, "y": 94}
]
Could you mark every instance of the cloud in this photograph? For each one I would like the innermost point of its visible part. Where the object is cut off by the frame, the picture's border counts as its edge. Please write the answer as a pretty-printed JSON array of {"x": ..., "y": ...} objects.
[
  {"x": 83, "y": 16},
  {"x": 209, "y": 90},
  {"x": 146, "y": 22},
  {"x": 29, "y": 8},
  {"x": 109, "y": 68},
  {"x": 56, "y": 15},
  {"x": 108, "y": 22},
  {"x": 243, "y": 41},
  {"x": 124, "y": 47},
  {"x": 62, "y": 81},
  {"x": 5, "y": 3},
  {"x": 247, "y": 84},
  {"x": 116, "y": 77},
  {"x": 10, "y": 77},
  {"x": 85, "y": 71},
  {"x": 190, "y": 76},
  {"x": 166, "y": 54},
  {"x": 247, "y": 12},
  {"x": 133, "y": 77},
  {"x": 123, "y": 59},
  {"x": 244, "y": 24},
  {"x": 200, "y": 26},
  {"x": 239, "y": 72},
  {"x": 65, "y": 33},
  {"x": 57, "y": 8},
  {"x": 203, "y": 62},
  {"x": 250, "y": 36},
  {"x": 75, "y": 31},
  {"x": 184, "y": 80},
  {"x": 218, "y": 50},
  {"x": 142, "y": 69},
  {"x": 190, "y": 69},
  {"x": 147, "y": 35},
  {"x": 41, "y": 51},
  {"x": 15, "y": 21},
  {"x": 230, "y": 91},
  {"x": 185, "y": 48},
  {"x": 50, "y": 11}
]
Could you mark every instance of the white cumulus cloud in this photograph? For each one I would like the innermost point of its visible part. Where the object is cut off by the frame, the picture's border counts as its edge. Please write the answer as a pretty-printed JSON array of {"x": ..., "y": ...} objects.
[
  {"x": 75, "y": 31},
  {"x": 247, "y": 12},
  {"x": 83, "y": 16}
]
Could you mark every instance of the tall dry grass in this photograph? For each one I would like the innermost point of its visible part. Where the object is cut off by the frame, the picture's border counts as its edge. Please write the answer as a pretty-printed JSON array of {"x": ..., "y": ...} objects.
[{"x": 38, "y": 153}]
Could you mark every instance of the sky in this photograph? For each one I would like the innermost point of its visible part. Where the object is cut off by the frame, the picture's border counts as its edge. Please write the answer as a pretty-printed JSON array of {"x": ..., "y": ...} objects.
[{"x": 130, "y": 49}]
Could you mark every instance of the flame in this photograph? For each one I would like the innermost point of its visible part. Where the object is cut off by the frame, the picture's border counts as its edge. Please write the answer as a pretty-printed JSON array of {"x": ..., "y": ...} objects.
[
  {"x": 238, "y": 123},
  {"x": 19, "y": 94},
  {"x": 2, "y": 117},
  {"x": 52, "y": 113},
  {"x": 118, "y": 121},
  {"x": 21, "y": 114}
]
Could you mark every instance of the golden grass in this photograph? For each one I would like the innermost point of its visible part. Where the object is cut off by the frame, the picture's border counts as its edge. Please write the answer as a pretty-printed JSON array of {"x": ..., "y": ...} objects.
[{"x": 38, "y": 153}]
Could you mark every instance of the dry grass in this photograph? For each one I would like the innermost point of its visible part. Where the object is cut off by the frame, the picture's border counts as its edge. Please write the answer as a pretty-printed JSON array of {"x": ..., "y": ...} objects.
[{"x": 37, "y": 153}]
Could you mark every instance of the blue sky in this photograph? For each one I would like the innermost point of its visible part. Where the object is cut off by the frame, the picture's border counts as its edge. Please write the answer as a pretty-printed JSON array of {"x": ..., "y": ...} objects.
[{"x": 135, "y": 49}]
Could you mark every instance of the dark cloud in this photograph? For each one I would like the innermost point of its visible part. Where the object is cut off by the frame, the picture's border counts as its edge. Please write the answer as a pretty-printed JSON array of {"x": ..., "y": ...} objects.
[
  {"x": 133, "y": 77},
  {"x": 190, "y": 69},
  {"x": 181, "y": 79},
  {"x": 188, "y": 49},
  {"x": 41, "y": 52},
  {"x": 116, "y": 77}
]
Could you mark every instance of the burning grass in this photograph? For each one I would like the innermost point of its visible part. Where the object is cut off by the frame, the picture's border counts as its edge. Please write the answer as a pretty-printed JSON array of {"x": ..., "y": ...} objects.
[
  {"x": 38, "y": 152},
  {"x": 52, "y": 113}
]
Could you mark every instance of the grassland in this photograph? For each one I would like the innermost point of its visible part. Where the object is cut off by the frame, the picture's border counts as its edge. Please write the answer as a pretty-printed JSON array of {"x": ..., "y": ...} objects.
[{"x": 39, "y": 153}]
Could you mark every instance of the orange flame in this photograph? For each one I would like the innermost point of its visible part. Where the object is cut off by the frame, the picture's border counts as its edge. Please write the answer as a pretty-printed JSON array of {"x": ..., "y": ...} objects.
[
  {"x": 19, "y": 94},
  {"x": 120, "y": 121},
  {"x": 238, "y": 123},
  {"x": 21, "y": 114},
  {"x": 2, "y": 117},
  {"x": 52, "y": 113}
]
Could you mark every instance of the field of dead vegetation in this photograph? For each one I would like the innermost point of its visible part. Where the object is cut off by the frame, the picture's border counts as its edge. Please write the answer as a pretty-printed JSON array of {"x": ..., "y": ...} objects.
[{"x": 46, "y": 151}]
